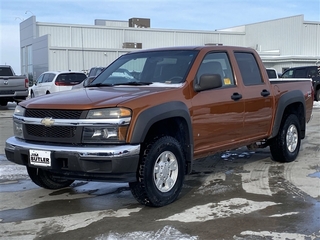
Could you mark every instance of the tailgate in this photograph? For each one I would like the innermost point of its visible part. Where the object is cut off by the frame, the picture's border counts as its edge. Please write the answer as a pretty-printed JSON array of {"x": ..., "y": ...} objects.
[{"x": 12, "y": 84}]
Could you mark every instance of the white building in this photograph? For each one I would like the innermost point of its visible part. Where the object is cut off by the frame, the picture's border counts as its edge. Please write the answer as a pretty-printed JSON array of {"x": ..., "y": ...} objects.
[{"x": 281, "y": 43}]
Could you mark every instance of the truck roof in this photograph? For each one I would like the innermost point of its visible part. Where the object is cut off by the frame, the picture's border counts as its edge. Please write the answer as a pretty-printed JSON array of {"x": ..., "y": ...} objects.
[{"x": 217, "y": 47}]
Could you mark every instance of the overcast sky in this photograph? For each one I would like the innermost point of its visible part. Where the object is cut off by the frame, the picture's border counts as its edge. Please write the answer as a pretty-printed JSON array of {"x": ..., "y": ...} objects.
[{"x": 168, "y": 14}]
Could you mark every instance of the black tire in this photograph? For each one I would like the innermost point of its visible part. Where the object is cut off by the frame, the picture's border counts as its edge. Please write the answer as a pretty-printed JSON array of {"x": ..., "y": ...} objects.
[
  {"x": 154, "y": 167},
  {"x": 46, "y": 179},
  {"x": 285, "y": 146},
  {"x": 318, "y": 95},
  {"x": 3, "y": 104}
]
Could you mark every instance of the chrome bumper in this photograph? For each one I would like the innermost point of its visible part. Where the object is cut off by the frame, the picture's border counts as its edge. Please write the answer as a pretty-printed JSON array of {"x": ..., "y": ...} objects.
[{"x": 103, "y": 161}]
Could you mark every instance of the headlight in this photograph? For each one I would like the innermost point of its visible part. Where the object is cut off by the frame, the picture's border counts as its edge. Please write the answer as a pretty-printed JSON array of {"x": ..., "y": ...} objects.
[
  {"x": 109, "y": 113},
  {"x": 17, "y": 125},
  {"x": 19, "y": 111},
  {"x": 114, "y": 130}
]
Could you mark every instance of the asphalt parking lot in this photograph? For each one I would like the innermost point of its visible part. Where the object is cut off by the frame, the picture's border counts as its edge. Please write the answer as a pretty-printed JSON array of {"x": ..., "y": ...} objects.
[{"x": 239, "y": 194}]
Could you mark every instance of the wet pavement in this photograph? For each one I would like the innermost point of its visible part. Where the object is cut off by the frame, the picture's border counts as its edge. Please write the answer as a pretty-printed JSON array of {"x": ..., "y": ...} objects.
[{"x": 238, "y": 194}]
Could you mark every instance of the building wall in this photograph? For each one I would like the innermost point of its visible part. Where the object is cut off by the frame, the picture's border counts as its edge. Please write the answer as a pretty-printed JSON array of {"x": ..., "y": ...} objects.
[{"x": 80, "y": 47}]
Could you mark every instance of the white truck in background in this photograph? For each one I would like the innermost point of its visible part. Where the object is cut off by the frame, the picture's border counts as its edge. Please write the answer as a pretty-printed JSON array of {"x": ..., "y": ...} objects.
[
  {"x": 272, "y": 73},
  {"x": 13, "y": 88}
]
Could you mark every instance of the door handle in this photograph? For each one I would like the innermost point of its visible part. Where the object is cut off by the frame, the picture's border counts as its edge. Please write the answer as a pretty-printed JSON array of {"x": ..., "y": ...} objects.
[
  {"x": 265, "y": 93},
  {"x": 236, "y": 96}
]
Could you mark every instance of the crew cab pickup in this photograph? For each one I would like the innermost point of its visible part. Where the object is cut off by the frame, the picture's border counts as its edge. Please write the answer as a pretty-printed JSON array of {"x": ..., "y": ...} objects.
[
  {"x": 150, "y": 114},
  {"x": 13, "y": 88}
]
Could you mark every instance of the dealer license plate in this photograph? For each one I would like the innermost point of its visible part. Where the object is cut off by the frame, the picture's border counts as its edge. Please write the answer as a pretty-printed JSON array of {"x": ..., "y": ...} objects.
[{"x": 40, "y": 158}]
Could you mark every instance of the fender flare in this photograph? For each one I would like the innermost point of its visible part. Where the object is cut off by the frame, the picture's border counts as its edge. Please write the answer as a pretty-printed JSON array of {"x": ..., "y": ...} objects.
[
  {"x": 150, "y": 116},
  {"x": 157, "y": 113},
  {"x": 295, "y": 96}
]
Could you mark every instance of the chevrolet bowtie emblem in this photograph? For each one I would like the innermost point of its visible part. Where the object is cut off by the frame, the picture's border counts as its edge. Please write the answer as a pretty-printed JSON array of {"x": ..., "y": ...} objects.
[{"x": 48, "y": 122}]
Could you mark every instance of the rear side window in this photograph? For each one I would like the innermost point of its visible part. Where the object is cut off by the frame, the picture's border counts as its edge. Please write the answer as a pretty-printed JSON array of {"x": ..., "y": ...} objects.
[
  {"x": 47, "y": 77},
  {"x": 300, "y": 73},
  {"x": 69, "y": 79},
  {"x": 313, "y": 72},
  {"x": 249, "y": 69}
]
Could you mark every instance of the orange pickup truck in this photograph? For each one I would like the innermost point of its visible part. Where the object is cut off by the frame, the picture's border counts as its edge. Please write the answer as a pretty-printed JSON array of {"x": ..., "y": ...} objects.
[{"x": 151, "y": 113}]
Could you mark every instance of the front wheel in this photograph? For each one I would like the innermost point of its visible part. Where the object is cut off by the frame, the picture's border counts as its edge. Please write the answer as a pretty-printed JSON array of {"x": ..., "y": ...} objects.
[
  {"x": 318, "y": 95},
  {"x": 160, "y": 174},
  {"x": 286, "y": 145},
  {"x": 46, "y": 179}
]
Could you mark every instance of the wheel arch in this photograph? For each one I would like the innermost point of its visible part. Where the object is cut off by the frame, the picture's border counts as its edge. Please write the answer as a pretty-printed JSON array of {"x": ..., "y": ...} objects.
[
  {"x": 173, "y": 119},
  {"x": 291, "y": 102}
]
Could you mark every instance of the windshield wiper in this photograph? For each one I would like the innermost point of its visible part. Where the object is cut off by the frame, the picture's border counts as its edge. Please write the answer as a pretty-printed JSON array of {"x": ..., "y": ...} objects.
[
  {"x": 133, "y": 83},
  {"x": 100, "y": 85}
]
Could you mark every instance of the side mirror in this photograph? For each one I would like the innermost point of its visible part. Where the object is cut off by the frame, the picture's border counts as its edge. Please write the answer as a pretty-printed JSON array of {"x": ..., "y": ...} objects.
[
  {"x": 208, "y": 81},
  {"x": 87, "y": 81}
]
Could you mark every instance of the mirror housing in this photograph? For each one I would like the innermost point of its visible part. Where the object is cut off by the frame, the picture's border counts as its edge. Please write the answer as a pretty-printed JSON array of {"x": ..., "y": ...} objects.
[
  {"x": 208, "y": 81},
  {"x": 88, "y": 81}
]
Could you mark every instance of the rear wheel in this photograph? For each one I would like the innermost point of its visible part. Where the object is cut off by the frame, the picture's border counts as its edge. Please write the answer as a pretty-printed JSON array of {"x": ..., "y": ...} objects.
[
  {"x": 161, "y": 173},
  {"x": 286, "y": 145},
  {"x": 46, "y": 179}
]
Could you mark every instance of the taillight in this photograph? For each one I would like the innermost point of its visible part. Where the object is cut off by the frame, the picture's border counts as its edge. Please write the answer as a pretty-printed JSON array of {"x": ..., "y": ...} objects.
[
  {"x": 61, "y": 84},
  {"x": 26, "y": 82}
]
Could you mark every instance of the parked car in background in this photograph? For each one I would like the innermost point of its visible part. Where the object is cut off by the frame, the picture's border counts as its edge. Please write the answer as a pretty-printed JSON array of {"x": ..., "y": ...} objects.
[
  {"x": 95, "y": 71},
  {"x": 272, "y": 73},
  {"x": 50, "y": 82},
  {"x": 312, "y": 72},
  {"x": 84, "y": 83},
  {"x": 13, "y": 88}
]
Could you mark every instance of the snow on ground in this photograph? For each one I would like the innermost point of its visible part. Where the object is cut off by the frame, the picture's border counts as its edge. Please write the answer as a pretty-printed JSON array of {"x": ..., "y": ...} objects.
[{"x": 316, "y": 104}]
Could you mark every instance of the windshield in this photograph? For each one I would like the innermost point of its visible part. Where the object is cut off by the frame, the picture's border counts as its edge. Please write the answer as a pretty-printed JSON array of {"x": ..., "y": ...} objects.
[{"x": 168, "y": 67}]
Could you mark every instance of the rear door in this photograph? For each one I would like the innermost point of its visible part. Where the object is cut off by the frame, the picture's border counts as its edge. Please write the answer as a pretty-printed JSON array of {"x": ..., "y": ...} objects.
[{"x": 257, "y": 97}]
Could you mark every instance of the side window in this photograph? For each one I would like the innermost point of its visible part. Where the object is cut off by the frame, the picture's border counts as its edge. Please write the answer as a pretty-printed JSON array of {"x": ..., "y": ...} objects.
[
  {"x": 51, "y": 77},
  {"x": 288, "y": 74},
  {"x": 300, "y": 73},
  {"x": 249, "y": 69},
  {"x": 313, "y": 72},
  {"x": 46, "y": 77},
  {"x": 40, "y": 79},
  {"x": 217, "y": 63}
]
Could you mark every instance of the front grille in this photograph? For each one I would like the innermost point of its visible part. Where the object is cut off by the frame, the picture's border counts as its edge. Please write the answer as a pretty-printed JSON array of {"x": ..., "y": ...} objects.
[
  {"x": 58, "y": 114},
  {"x": 50, "y": 132},
  {"x": 54, "y": 134}
]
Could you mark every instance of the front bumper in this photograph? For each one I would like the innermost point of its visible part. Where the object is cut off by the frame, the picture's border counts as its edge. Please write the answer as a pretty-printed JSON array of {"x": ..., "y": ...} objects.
[{"x": 117, "y": 163}]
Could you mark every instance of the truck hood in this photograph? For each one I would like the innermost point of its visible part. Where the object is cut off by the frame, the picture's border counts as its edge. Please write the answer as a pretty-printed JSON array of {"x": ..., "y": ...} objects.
[{"x": 89, "y": 98}]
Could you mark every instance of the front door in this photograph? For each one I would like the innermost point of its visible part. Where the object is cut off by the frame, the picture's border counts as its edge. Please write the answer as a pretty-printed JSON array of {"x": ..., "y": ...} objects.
[{"x": 217, "y": 113}]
